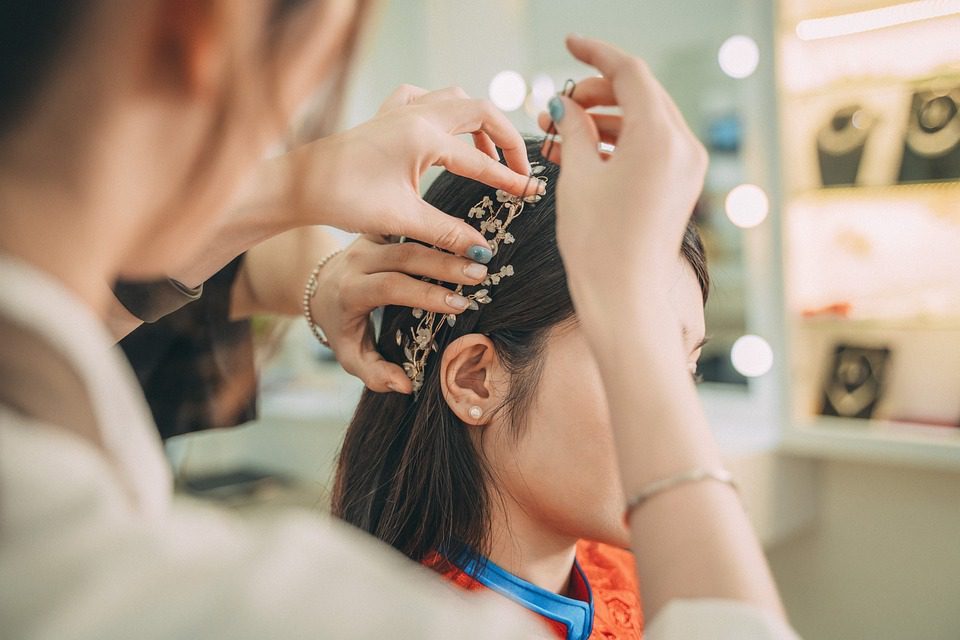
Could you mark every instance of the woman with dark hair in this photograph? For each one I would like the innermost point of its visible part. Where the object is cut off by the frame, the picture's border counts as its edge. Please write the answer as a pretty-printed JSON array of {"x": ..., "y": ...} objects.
[
  {"x": 126, "y": 129},
  {"x": 499, "y": 472}
]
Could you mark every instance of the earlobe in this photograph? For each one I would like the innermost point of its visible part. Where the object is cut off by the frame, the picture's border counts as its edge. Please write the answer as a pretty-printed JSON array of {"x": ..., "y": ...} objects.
[
  {"x": 186, "y": 46},
  {"x": 466, "y": 375}
]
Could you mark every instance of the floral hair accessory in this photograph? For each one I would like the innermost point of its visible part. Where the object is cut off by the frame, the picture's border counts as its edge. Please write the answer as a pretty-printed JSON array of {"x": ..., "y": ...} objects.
[{"x": 495, "y": 215}]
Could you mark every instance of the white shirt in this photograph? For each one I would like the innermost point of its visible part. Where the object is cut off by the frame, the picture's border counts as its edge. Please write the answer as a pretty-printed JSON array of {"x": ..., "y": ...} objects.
[{"x": 93, "y": 544}]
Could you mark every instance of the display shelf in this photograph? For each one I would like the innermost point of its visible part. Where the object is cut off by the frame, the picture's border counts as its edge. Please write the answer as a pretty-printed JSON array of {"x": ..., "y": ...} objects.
[
  {"x": 925, "y": 190},
  {"x": 881, "y": 253},
  {"x": 907, "y": 323},
  {"x": 887, "y": 442},
  {"x": 901, "y": 51},
  {"x": 795, "y": 11},
  {"x": 866, "y": 85}
]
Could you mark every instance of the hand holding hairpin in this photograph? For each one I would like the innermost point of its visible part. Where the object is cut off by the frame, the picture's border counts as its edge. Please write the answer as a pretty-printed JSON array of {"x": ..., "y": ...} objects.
[{"x": 495, "y": 215}]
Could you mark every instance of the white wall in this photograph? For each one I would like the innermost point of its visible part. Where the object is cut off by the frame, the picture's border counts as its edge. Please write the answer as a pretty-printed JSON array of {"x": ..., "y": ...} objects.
[
  {"x": 437, "y": 43},
  {"x": 883, "y": 560}
]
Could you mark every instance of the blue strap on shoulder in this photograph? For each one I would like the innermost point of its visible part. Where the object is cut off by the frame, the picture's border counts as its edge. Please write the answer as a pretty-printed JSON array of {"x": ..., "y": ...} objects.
[{"x": 575, "y": 614}]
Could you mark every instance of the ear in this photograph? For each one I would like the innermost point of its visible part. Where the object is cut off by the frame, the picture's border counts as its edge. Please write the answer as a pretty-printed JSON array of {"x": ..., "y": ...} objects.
[
  {"x": 467, "y": 371},
  {"x": 190, "y": 52}
]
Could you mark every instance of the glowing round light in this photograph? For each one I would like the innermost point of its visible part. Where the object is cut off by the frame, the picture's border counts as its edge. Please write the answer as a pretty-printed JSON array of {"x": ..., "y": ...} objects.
[
  {"x": 752, "y": 356},
  {"x": 739, "y": 56},
  {"x": 541, "y": 90},
  {"x": 508, "y": 90},
  {"x": 747, "y": 205}
]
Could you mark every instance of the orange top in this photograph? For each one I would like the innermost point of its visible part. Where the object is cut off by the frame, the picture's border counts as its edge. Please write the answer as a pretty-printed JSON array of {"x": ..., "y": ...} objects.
[
  {"x": 608, "y": 576},
  {"x": 612, "y": 574}
]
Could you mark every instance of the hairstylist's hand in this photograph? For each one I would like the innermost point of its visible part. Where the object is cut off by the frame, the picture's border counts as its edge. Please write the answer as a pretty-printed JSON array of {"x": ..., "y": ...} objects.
[
  {"x": 367, "y": 179},
  {"x": 370, "y": 274},
  {"x": 623, "y": 213}
]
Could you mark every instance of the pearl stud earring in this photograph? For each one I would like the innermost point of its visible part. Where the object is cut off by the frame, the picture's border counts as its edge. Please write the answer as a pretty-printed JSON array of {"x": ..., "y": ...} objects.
[{"x": 475, "y": 412}]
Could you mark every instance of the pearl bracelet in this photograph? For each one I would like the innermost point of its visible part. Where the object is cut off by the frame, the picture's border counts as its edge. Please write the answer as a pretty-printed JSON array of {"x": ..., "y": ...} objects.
[
  {"x": 311, "y": 290},
  {"x": 672, "y": 482}
]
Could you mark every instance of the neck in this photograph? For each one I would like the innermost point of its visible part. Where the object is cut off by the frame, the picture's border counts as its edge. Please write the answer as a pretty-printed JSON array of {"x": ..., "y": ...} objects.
[
  {"x": 52, "y": 230},
  {"x": 530, "y": 550}
]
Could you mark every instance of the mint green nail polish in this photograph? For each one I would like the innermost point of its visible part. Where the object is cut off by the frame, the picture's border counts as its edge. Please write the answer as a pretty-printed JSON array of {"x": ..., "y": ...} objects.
[
  {"x": 555, "y": 107},
  {"x": 479, "y": 253}
]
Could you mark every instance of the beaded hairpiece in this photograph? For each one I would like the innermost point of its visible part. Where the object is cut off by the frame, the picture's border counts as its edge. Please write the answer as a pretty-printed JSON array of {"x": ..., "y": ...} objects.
[{"x": 495, "y": 216}]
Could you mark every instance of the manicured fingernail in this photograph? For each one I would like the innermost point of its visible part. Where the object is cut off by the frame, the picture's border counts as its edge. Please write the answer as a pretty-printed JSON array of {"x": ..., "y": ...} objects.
[
  {"x": 475, "y": 271},
  {"x": 457, "y": 302},
  {"x": 555, "y": 107},
  {"x": 480, "y": 253}
]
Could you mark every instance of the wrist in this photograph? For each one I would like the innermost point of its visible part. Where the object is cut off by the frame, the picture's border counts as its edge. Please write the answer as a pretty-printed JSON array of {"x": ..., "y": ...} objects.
[
  {"x": 314, "y": 284},
  {"x": 678, "y": 480},
  {"x": 250, "y": 222},
  {"x": 285, "y": 184},
  {"x": 268, "y": 199}
]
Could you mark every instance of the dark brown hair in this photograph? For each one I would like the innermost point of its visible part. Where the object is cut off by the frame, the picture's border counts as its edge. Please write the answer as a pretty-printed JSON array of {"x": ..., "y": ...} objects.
[
  {"x": 408, "y": 471},
  {"x": 34, "y": 34}
]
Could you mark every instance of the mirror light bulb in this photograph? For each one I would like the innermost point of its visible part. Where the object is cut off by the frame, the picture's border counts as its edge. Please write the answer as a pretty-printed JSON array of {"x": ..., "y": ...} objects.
[
  {"x": 747, "y": 205},
  {"x": 508, "y": 90},
  {"x": 542, "y": 88},
  {"x": 739, "y": 56},
  {"x": 752, "y": 356}
]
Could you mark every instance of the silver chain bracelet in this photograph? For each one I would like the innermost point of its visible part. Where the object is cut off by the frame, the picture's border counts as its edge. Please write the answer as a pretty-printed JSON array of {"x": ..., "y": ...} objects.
[{"x": 665, "y": 484}]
